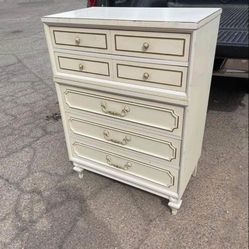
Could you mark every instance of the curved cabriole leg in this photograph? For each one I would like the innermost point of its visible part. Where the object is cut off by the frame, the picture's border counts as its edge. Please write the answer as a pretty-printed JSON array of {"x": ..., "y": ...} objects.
[
  {"x": 174, "y": 204},
  {"x": 79, "y": 170}
]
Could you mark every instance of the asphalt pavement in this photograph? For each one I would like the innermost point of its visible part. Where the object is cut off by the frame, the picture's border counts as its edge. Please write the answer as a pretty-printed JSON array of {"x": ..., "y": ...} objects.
[{"x": 43, "y": 203}]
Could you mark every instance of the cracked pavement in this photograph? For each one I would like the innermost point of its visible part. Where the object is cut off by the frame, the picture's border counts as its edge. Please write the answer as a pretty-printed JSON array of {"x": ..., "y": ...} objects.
[{"x": 43, "y": 203}]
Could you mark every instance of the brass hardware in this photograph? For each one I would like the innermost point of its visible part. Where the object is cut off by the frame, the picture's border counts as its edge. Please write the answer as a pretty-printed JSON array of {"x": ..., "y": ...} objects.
[
  {"x": 124, "y": 141},
  {"x": 124, "y": 167},
  {"x": 122, "y": 113},
  {"x": 81, "y": 67},
  {"x": 146, "y": 76},
  {"x": 77, "y": 40},
  {"x": 146, "y": 45}
]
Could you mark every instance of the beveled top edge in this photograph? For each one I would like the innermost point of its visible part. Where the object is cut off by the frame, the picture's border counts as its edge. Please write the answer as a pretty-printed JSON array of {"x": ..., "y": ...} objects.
[{"x": 191, "y": 18}]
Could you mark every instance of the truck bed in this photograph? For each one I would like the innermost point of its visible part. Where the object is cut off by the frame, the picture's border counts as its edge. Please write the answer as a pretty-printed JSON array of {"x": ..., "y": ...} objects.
[{"x": 233, "y": 33}]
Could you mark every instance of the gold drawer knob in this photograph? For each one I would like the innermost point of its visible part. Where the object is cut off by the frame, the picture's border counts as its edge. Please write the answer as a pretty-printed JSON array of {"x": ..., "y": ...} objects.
[
  {"x": 146, "y": 45},
  {"x": 146, "y": 76},
  {"x": 77, "y": 40},
  {"x": 81, "y": 67}
]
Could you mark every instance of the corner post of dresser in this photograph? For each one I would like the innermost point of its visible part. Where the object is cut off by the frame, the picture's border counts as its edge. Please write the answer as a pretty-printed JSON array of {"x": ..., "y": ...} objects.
[
  {"x": 49, "y": 39},
  {"x": 174, "y": 205}
]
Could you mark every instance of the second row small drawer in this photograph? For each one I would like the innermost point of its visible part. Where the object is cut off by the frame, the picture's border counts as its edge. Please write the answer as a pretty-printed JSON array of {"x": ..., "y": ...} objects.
[{"x": 150, "y": 75}]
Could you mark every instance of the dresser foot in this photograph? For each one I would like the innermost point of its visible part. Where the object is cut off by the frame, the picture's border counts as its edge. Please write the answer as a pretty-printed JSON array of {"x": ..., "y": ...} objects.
[
  {"x": 195, "y": 171},
  {"x": 79, "y": 170},
  {"x": 174, "y": 204}
]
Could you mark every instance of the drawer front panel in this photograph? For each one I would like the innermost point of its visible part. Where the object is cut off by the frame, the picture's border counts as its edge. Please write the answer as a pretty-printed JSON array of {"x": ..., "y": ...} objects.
[
  {"x": 80, "y": 39},
  {"x": 167, "y": 178},
  {"x": 168, "y": 118},
  {"x": 83, "y": 66},
  {"x": 167, "y": 77},
  {"x": 168, "y": 150},
  {"x": 154, "y": 45}
]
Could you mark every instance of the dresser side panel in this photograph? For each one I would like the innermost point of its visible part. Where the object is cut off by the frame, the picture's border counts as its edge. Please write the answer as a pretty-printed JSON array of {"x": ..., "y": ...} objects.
[
  {"x": 64, "y": 120},
  {"x": 201, "y": 65}
]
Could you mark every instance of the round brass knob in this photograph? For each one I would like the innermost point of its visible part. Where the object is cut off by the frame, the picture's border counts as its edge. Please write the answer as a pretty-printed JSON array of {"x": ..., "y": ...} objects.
[
  {"x": 146, "y": 76},
  {"x": 81, "y": 67},
  {"x": 146, "y": 45},
  {"x": 77, "y": 40}
]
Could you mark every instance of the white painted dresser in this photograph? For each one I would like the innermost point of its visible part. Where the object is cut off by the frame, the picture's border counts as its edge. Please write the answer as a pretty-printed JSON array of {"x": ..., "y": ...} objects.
[{"x": 133, "y": 87}]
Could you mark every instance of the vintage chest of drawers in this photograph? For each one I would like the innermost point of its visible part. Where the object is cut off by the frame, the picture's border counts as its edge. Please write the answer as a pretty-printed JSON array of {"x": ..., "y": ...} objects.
[{"x": 133, "y": 87}]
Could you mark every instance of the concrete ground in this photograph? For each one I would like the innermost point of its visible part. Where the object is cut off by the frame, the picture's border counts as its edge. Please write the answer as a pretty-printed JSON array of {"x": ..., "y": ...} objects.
[{"x": 43, "y": 203}]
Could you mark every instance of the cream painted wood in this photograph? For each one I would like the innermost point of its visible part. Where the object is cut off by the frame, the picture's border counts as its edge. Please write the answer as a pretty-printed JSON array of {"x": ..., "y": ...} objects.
[
  {"x": 121, "y": 124},
  {"x": 168, "y": 46},
  {"x": 167, "y": 178},
  {"x": 151, "y": 75},
  {"x": 79, "y": 170},
  {"x": 198, "y": 88},
  {"x": 139, "y": 92},
  {"x": 146, "y": 158},
  {"x": 168, "y": 118},
  {"x": 152, "y": 19},
  {"x": 168, "y": 150},
  {"x": 117, "y": 124},
  {"x": 83, "y": 66},
  {"x": 80, "y": 39},
  {"x": 124, "y": 177}
]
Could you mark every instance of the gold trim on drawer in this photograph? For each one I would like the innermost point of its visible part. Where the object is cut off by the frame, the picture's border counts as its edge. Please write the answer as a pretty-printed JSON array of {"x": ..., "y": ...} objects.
[
  {"x": 129, "y": 105},
  {"x": 125, "y": 164},
  {"x": 146, "y": 79},
  {"x": 78, "y": 43},
  {"x": 129, "y": 140},
  {"x": 145, "y": 51},
  {"x": 83, "y": 70}
]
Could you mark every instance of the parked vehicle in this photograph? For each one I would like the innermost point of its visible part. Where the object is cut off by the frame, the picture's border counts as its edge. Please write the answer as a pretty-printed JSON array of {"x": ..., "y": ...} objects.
[{"x": 232, "y": 48}]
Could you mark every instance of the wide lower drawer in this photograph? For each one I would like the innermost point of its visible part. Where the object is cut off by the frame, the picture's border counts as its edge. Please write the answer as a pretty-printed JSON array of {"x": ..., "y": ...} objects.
[
  {"x": 167, "y": 178},
  {"x": 166, "y": 117},
  {"x": 151, "y": 75},
  {"x": 83, "y": 65},
  {"x": 80, "y": 39},
  {"x": 168, "y": 150},
  {"x": 169, "y": 46}
]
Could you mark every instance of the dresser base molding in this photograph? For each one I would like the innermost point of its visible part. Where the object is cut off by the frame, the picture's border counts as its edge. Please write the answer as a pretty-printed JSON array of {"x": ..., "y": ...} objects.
[{"x": 143, "y": 184}]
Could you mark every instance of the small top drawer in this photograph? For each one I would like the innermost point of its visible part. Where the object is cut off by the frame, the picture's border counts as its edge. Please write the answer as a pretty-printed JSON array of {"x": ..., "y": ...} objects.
[
  {"x": 169, "y": 46},
  {"x": 80, "y": 39}
]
